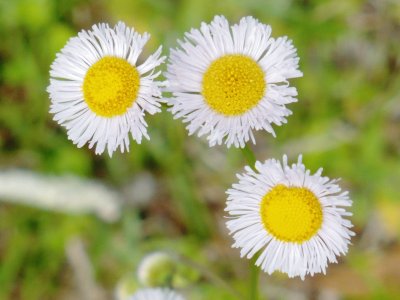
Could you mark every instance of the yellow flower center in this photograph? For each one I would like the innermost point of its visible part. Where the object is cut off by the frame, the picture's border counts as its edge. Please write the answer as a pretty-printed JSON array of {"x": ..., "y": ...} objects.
[
  {"x": 291, "y": 214},
  {"x": 111, "y": 86},
  {"x": 233, "y": 84}
]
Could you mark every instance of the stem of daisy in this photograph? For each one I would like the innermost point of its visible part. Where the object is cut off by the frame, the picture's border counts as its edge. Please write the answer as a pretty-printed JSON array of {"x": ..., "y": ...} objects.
[
  {"x": 254, "y": 270},
  {"x": 249, "y": 155},
  {"x": 254, "y": 275}
]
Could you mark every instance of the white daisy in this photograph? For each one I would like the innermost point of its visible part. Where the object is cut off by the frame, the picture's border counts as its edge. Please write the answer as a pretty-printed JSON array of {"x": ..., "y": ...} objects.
[
  {"x": 295, "y": 220},
  {"x": 227, "y": 81},
  {"x": 99, "y": 92},
  {"x": 155, "y": 269},
  {"x": 156, "y": 294}
]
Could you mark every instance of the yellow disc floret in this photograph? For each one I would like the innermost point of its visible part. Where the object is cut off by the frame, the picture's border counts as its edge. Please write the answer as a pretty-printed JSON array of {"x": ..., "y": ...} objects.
[
  {"x": 233, "y": 84},
  {"x": 111, "y": 86},
  {"x": 291, "y": 214}
]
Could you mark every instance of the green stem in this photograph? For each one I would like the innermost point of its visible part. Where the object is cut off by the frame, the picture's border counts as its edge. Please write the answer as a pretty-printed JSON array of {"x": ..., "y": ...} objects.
[
  {"x": 254, "y": 275},
  {"x": 254, "y": 270},
  {"x": 249, "y": 156}
]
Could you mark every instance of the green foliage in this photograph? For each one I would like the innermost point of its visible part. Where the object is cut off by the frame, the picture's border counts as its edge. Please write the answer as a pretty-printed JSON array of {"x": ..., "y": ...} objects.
[{"x": 347, "y": 120}]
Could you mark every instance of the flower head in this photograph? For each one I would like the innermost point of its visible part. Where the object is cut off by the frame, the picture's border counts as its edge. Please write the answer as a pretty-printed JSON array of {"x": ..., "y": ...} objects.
[
  {"x": 99, "y": 92},
  {"x": 156, "y": 294},
  {"x": 295, "y": 220},
  {"x": 227, "y": 81},
  {"x": 155, "y": 269}
]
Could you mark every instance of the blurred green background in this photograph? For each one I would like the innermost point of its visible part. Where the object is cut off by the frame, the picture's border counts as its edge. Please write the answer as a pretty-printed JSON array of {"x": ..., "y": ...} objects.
[{"x": 169, "y": 191}]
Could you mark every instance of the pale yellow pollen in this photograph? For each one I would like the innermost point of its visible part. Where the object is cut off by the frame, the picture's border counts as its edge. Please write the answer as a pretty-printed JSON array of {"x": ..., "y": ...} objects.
[
  {"x": 233, "y": 84},
  {"x": 291, "y": 214},
  {"x": 111, "y": 86}
]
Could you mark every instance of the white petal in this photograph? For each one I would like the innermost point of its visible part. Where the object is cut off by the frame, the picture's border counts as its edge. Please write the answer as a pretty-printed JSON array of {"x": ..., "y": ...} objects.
[
  {"x": 67, "y": 100},
  {"x": 188, "y": 63},
  {"x": 249, "y": 234}
]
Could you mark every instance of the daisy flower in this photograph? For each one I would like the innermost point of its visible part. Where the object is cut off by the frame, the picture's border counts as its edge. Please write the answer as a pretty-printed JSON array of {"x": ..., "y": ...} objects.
[
  {"x": 227, "y": 81},
  {"x": 99, "y": 92},
  {"x": 156, "y": 268},
  {"x": 294, "y": 219},
  {"x": 156, "y": 294}
]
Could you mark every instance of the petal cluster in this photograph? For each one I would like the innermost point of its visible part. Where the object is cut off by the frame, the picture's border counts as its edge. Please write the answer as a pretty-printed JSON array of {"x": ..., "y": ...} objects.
[
  {"x": 67, "y": 99},
  {"x": 190, "y": 61},
  {"x": 295, "y": 259},
  {"x": 156, "y": 294}
]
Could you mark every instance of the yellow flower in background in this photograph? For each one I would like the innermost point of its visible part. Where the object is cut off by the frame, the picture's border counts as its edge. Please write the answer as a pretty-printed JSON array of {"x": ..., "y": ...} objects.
[
  {"x": 156, "y": 294},
  {"x": 295, "y": 220},
  {"x": 227, "y": 81},
  {"x": 99, "y": 92}
]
